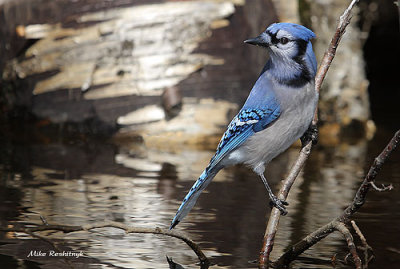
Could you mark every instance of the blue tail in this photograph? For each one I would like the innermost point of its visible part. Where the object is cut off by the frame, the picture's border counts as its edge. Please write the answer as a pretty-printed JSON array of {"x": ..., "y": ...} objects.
[{"x": 190, "y": 199}]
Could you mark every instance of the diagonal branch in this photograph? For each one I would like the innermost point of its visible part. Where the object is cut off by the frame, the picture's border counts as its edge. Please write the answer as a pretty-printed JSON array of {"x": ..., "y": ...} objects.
[
  {"x": 326, "y": 61},
  {"x": 273, "y": 220},
  {"x": 356, "y": 204},
  {"x": 274, "y": 217},
  {"x": 361, "y": 194}
]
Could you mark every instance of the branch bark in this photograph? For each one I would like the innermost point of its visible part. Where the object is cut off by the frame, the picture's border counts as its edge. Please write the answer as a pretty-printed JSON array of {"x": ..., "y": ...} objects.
[
  {"x": 274, "y": 218},
  {"x": 128, "y": 229}
]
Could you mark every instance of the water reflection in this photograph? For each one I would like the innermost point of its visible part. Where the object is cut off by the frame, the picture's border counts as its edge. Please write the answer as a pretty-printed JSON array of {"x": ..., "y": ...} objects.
[{"x": 82, "y": 183}]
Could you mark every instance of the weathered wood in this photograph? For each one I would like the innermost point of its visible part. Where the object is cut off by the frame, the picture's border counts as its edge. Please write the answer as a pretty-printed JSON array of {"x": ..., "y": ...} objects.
[
  {"x": 113, "y": 65},
  {"x": 133, "y": 50}
]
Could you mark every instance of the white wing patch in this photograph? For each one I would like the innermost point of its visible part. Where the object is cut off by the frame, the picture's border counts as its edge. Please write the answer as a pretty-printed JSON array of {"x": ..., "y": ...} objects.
[{"x": 241, "y": 123}]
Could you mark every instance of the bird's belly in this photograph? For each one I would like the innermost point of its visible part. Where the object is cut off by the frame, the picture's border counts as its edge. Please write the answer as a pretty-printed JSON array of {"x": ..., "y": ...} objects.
[{"x": 265, "y": 145}]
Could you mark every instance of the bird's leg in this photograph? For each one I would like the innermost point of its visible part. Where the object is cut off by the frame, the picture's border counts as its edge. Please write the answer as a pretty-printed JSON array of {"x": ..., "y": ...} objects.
[
  {"x": 310, "y": 135},
  {"x": 274, "y": 201}
]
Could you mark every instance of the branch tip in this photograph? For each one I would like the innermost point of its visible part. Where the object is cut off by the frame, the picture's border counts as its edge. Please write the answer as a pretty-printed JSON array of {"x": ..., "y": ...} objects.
[{"x": 383, "y": 188}]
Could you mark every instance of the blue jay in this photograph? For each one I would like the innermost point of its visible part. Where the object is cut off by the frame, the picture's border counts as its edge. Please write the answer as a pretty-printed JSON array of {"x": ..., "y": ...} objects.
[{"x": 277, "y": 112}]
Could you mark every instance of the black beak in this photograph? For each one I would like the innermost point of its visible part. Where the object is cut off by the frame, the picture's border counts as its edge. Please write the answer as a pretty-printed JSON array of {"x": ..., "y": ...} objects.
[{"x": 260, "y": 40}]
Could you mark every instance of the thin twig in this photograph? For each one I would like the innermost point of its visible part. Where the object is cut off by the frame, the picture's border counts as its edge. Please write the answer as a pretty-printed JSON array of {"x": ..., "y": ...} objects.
[
  {"x": 274, "y": 218},
  {"x": 383, "y": 188},
  {"x": 43, "y": 219},
  {"x": 365, "y": 247},
  {"x": 360, "y": 234},
  {"x": 128, "y": 229},
  {"x": 340, "y": 227},
  {"x": 359, "y": 199}
]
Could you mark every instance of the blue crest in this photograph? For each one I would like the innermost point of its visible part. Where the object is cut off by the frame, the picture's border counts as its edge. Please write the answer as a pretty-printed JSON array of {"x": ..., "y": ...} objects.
[{"x": 298, "y": 31}]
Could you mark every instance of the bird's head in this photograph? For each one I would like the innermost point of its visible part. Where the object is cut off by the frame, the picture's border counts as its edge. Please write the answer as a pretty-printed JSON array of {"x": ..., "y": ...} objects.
[
  {"x": 286, "y": 40},
  {"x": 292, "y": 60}
]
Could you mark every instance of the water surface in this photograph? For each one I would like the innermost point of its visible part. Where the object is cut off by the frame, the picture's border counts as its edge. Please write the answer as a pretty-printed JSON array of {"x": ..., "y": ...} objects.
[{"x": 86, "y": 180}]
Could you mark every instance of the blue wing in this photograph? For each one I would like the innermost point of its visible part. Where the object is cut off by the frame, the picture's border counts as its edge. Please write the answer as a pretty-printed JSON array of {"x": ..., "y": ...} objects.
[{"x": 247, "y": 122}]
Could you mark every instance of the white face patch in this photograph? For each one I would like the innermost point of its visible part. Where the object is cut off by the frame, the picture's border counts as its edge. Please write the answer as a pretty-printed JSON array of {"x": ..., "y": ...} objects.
[
  {"x": 283, "y": 33},
  {"x": 289, "y": 49}
]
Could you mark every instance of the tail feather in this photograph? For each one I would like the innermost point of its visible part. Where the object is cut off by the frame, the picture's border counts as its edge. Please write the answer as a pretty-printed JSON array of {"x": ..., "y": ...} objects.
[{"x": 190, "y": 199}]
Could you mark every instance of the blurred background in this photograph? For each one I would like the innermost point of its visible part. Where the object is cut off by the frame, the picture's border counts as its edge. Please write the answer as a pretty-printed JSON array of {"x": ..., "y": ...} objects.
[{"x": 112, "y": 109}]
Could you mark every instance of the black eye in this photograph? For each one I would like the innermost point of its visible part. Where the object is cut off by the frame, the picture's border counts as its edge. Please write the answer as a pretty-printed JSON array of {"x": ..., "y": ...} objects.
[{"x": 284, "y": 40}]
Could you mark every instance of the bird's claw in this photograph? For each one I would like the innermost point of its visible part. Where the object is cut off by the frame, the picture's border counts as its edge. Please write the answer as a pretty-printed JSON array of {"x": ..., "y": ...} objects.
[
  {"x": 310, "y": 135},
  {"x": 279, "y": 204}
]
